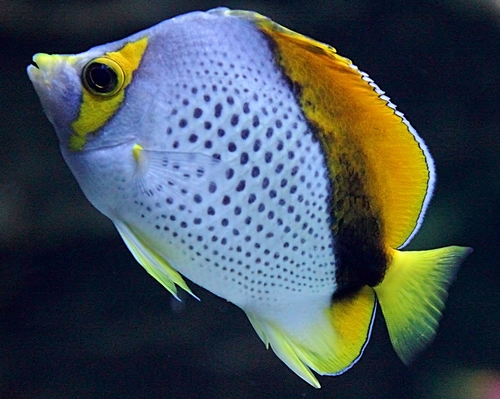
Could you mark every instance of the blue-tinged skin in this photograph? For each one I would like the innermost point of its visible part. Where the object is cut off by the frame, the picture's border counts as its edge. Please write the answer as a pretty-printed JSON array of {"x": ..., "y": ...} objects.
[{"x": 210, "y": 169}]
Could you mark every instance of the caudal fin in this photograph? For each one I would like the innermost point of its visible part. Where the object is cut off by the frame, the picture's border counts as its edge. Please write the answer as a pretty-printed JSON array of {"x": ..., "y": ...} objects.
[
  {"x": 413, "y": 293},
  {"x": 329, "y": 342}
]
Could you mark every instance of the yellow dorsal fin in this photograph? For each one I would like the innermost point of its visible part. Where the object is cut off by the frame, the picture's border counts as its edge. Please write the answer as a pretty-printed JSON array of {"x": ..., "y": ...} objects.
[
  {"x": 413, "y": 293},
  {"x": 329, "y": 345},
  {"x": 357, "y": 123}
]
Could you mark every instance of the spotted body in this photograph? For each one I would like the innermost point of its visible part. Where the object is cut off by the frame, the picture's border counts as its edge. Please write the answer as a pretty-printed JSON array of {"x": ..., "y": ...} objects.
[{"x": 220, "y": 156}]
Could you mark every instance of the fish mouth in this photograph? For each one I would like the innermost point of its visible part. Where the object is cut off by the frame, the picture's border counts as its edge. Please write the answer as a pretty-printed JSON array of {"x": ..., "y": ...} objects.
[
  {"x": 48, "y": 61},
  {"x": 44, "y": 66},
  {"x": 40, "y": 68},
  {"x": 33, "y": 69}
]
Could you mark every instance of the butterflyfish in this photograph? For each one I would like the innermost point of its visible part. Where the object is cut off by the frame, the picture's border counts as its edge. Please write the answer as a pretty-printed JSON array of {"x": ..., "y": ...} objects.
[{"x": 263, "y": 166}]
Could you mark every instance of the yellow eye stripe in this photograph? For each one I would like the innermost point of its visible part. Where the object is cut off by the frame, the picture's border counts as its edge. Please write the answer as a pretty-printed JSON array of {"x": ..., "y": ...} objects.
[{"x": 97, "y": 108}]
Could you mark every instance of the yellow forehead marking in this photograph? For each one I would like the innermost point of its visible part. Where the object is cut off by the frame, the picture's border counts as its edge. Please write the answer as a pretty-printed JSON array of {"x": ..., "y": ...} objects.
[{"x": 96, "y": 110}]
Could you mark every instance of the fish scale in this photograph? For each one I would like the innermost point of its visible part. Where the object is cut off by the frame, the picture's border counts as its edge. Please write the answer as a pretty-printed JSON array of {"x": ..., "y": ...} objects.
[
  {"x": 263, "y": 166},
  {"x": 271, "y": 199}
]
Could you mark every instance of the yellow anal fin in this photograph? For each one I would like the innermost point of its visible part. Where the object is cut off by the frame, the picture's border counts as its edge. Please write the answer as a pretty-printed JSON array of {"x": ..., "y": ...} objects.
[
  {"x": 352, "y": 318},
  {"x": 328, "y": 346},
  {"x": 413, "y": 293},
  {"x": 284, "y": 347},
  {"x": 358, "y": 124},
  {"x": 154, "y": 264}
]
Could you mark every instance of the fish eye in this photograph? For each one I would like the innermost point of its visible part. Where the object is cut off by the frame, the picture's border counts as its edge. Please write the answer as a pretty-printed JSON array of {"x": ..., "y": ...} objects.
[{"x": 103, "y": 77}]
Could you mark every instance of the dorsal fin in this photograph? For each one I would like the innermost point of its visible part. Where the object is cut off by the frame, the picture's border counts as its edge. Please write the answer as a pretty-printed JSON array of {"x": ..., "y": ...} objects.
[{"x": 357, "y": 123}]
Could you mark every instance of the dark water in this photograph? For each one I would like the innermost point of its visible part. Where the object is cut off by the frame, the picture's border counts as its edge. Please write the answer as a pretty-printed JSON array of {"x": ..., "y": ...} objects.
[{"x": 80, "y": 319}]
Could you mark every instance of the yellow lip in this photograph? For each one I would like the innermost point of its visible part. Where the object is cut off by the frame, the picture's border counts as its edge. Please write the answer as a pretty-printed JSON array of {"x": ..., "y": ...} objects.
[
  {"x": 33, "y": 70},
  {"x": 44, "y": 61},
  {"x": 48, "y": 61},
  {"x": 44, "y": 67}
]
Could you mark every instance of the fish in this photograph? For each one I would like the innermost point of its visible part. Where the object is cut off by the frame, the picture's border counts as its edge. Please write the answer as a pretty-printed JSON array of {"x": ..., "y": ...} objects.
[{"x": 263, "y": 166}]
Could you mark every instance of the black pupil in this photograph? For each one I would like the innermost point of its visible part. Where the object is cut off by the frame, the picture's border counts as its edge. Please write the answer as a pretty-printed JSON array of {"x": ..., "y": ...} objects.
[{"x": 100, "y": 77}]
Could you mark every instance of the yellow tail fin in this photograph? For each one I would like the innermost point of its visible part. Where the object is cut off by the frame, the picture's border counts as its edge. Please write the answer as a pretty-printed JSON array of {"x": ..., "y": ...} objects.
[
  {"x": 328, "y": 341},
  {"x": 413, "y": 293}
]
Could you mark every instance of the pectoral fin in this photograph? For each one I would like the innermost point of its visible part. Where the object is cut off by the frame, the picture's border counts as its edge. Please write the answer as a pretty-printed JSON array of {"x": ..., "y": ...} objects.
[{"x": 175, "y": 173}]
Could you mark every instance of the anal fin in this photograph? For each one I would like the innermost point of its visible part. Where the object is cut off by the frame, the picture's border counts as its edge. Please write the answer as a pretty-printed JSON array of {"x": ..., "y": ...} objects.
[
  {"x": 352, "y": 318},
  {"x": 332, "y": 341}
]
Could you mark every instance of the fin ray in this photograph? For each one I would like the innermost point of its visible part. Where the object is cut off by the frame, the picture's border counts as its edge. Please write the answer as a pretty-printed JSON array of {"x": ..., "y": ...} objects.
[
  {"x": 283, "y": 348},
  {"x": 175, "y": 172},
  {"x": 329, "y": 346},
  {"x": 154, "y": 264},
  {"x": 357, "y": 122},
  {"x": 413, "y": 293}
]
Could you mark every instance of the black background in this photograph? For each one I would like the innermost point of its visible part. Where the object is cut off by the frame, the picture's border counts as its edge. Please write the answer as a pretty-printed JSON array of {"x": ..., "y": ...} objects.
[{"x": 80, "y": 319}]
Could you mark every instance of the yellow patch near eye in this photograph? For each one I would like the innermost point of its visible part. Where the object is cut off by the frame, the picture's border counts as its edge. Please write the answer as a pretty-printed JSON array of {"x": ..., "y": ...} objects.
[{"x": 98, "y": 108}]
